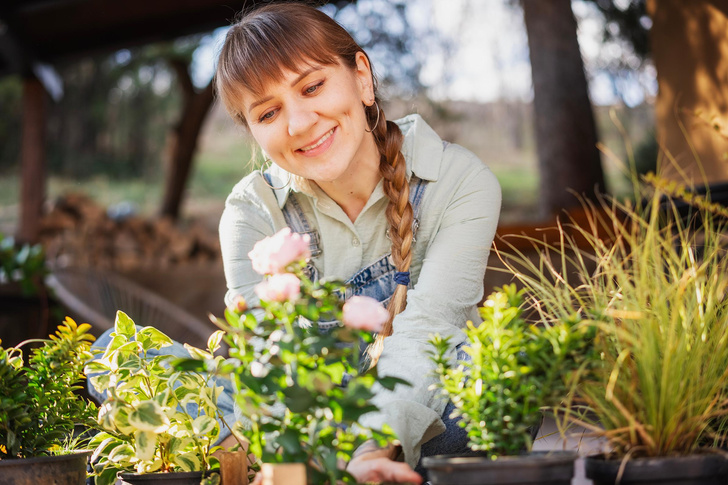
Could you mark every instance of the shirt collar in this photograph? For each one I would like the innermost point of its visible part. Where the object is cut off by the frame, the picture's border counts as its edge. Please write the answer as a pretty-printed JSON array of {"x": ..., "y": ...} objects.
[{"x": 422, "y": 149}]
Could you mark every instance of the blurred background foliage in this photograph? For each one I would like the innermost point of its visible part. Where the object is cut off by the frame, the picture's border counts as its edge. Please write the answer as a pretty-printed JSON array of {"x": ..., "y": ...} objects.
[{"x": 109, "y": 134}]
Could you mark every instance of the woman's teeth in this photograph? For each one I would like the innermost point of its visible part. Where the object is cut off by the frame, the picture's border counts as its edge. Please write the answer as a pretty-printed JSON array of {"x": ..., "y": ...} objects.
[{"x": 321, "y": 140}]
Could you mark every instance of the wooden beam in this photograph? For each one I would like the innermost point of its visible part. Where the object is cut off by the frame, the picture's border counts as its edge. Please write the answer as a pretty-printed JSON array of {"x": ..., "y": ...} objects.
[{"x": 33, "y": 172}]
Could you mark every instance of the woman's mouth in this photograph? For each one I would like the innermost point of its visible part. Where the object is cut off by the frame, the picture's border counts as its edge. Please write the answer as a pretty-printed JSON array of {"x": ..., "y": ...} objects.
[{"x": 320, "y": 145}]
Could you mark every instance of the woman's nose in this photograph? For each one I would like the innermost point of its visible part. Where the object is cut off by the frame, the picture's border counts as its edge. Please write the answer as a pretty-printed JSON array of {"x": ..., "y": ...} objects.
[{"x": 300, "y": 119}]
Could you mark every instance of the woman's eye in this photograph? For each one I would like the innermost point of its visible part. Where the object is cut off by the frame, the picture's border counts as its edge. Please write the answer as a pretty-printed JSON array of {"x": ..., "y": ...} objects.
[
  {"x": 266, "y": 116},
  {"x": 314, "y": 88}
]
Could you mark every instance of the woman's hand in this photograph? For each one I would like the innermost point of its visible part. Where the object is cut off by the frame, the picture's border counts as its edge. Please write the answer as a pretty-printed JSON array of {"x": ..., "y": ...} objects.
[{"x": 374, "y": 464}]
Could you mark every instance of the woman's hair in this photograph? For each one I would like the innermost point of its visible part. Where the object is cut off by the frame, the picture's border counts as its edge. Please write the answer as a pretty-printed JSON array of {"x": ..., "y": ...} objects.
[{"x": 276, "y": 38}]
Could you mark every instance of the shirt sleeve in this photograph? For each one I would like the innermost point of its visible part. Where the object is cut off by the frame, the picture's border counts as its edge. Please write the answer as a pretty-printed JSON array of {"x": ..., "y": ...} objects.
[
  {"x": 443, "y": 299},
  {"x": 245, "y": 221}
]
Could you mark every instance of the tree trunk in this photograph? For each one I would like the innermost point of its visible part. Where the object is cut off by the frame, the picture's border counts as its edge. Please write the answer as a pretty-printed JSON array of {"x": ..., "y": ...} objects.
[
  {"x": 184, "y": 140},
  {"x": 689, "y": 45},
  {"x": 33, "y": 160},
  {"x": 566, "y": 134}
]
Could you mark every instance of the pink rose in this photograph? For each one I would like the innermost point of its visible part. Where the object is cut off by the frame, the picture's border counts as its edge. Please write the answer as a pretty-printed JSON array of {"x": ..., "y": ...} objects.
[
  {"x": 279, "y": 287},
  {"x": 365, "y": 313},
  {"x": 273, "y": 254}
]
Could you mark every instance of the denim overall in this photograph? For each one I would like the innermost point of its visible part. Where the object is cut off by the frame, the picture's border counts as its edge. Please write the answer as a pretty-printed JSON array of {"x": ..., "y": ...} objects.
[{"x": 377, "y": 281}]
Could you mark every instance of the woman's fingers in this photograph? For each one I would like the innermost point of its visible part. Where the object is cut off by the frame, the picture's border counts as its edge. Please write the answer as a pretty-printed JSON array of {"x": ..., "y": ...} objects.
[{"x": 379, "y": 470}]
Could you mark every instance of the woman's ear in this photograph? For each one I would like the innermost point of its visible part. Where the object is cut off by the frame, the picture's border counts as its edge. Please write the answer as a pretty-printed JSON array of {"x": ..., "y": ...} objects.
[{"x": 365, "y": 78}]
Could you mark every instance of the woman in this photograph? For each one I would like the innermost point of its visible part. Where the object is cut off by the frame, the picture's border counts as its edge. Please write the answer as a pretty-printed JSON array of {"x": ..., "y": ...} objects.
[{"x": 403, "y": 216}]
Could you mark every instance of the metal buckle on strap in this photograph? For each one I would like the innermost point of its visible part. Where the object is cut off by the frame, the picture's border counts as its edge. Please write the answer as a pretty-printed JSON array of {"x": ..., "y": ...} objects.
[{"x": 315, "y": 243}]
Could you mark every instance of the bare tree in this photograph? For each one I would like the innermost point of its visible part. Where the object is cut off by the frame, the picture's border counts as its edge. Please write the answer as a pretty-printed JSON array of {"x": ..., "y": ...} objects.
[
  {"x": 183, "y": 138},
  {"x": 566, "y": 133}
]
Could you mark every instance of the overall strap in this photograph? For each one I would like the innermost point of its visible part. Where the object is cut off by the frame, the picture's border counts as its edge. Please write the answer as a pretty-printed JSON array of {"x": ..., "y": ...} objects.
[
  {"x": 415, "y": 201},
  {"x": 297, "y": 221}
]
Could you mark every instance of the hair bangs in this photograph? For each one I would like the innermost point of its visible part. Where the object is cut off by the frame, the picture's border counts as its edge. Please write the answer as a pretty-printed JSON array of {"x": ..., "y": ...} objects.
[{"x": 267, "y": 43}]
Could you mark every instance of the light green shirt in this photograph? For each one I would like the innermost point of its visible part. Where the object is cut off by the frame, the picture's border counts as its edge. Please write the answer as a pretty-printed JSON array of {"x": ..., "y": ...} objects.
[{"x": 458, "y": 219}]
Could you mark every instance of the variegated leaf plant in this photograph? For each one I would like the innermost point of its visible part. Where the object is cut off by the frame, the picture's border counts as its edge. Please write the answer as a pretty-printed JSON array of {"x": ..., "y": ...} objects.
[{"x": 156, "y": 418}]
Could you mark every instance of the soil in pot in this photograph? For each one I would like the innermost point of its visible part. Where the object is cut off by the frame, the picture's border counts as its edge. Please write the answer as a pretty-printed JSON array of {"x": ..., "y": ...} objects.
[
  {"x": 705, "y": 469},
  {"x": 537, "y": 468},
  {"x": 56, "y": 470},
  {"x": 177, "y": 478}
]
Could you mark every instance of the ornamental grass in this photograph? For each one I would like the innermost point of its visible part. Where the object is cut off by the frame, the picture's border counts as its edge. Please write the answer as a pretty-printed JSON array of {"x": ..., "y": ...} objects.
[{"x": 651, "y": 276}]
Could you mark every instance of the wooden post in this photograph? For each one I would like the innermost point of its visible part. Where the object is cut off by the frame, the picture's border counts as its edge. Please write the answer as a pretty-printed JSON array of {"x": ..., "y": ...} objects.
[
  {"x": 33, "y": 162},
  {"x": 234, "y": 467}
]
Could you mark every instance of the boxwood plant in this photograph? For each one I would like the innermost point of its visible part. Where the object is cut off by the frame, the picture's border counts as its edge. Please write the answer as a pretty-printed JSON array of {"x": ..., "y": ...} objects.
[
  {"x": 39, "y": 406},
  {"x": 517, "y": 369}
]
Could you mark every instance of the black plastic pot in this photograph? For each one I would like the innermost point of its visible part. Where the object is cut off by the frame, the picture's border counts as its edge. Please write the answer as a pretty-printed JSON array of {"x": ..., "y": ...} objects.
[
  {"x": 706, "y": 469},
  {"x": 58, "y": 470},
  {"x": 537, "y": 468},
  {"x": 177, "y": 478}
]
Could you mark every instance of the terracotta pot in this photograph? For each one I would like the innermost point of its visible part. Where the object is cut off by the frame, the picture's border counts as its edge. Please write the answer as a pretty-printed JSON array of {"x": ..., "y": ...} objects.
[
  {"x": 537, "y": 468},
  {"x": 58, "y": 470},
  {"x": 705, "y": 469}
]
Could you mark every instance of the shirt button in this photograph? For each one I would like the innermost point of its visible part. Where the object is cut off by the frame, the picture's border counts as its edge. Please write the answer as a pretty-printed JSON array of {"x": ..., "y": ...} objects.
[{"x": 355, "y": 242}]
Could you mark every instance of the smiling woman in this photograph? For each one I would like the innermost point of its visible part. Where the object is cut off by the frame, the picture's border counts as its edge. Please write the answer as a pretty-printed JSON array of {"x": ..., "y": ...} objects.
[{"x": 360, "y": 186}]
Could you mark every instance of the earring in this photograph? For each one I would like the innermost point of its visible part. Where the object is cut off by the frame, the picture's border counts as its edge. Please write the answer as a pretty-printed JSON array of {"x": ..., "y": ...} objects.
[
  {"x": 266, "y": 177},
  {"x": 376, "y": 122}
]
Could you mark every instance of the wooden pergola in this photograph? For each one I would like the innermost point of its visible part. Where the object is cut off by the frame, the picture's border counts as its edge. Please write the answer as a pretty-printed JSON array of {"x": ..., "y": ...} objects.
[{"x": 36, "y": 34}]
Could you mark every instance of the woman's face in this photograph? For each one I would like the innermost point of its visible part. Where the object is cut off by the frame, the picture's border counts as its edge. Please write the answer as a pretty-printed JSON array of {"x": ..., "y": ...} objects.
[{"x": 313, "y": 124}]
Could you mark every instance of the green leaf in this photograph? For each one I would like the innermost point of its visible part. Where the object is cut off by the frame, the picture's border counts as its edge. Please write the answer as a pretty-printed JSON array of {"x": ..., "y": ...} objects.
[
  {"x": 148, "y": 416},
  {"x": 106, "y": 477},
  {"x": 203, "y": 425},
  {"x": 196, "y": 353},
  {"x": 187, "y": 364},
  {"x": 146, "y": 443},
  {"x": 390, "y": 382},
  {"x": 95, "y": 366},
  {"x": 188, "y": 462},
  {"x": 298, "y": 399},
  {"x": 130, "y": 362},
  {"x": 104, "y": 447},
  {"x": 289, "y": 440},
  {"x": 122, "y": 454},
  {"x": 124, "y": 325},
  {"x": 213, "y": 343},
  {"x": 157, "y": 339}
]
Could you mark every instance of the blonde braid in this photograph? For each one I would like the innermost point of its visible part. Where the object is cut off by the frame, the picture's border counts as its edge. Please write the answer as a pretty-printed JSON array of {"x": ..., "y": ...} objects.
[{"x": 399, "y": 214}]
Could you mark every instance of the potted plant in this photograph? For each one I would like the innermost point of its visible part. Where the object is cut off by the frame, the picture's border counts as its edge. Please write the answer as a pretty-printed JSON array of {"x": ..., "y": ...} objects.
[
  {"x": 159, "y": 423},
  {"x": 302, "y": 386},
  {"x": 653, "y": 283},
  {"x": 39, "y": 409},
  {"x": 514, "y": 372},
  {"x": 23, "y": 294}
]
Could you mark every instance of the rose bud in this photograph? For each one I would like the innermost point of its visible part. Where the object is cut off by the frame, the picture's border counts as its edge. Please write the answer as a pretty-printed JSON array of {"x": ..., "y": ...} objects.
[
  {"x": 365, "y": 313},
  {"x": 274, "y": 254}
]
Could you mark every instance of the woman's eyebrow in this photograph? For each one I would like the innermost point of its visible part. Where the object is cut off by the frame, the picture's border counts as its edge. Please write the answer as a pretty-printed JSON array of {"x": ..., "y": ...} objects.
[
  {"x": 293, "y": 83},
  {"x": 304, "y": 74}
]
